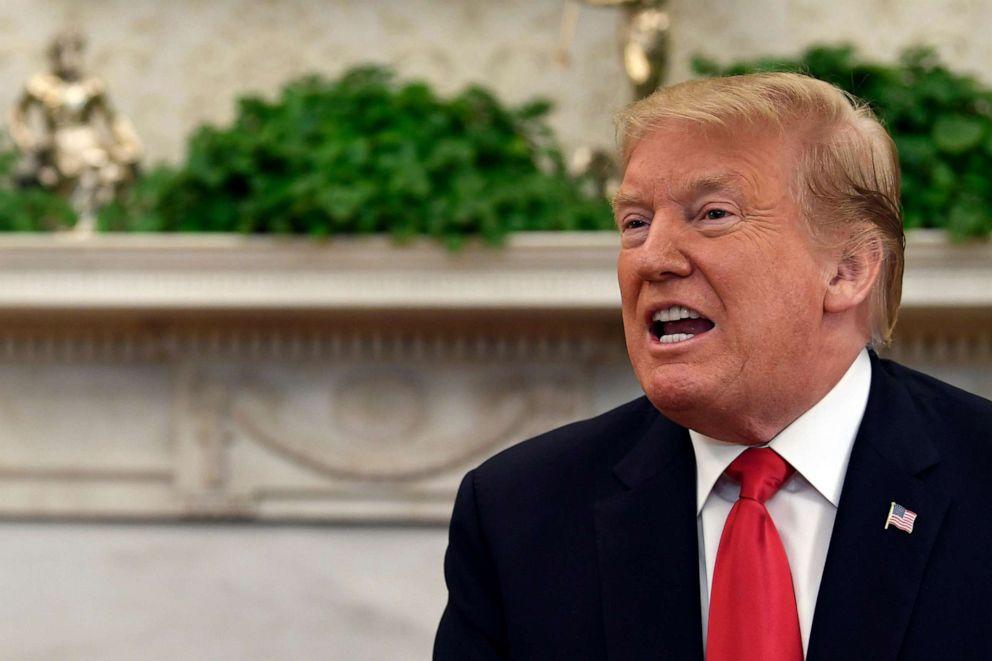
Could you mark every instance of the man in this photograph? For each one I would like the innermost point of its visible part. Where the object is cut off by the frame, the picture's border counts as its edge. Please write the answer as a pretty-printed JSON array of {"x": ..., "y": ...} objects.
[{"x": 781, "y": 492}]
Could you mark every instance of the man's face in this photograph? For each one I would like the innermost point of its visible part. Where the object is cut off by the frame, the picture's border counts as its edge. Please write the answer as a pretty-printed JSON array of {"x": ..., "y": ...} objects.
[{"x": 722, "y": 290}]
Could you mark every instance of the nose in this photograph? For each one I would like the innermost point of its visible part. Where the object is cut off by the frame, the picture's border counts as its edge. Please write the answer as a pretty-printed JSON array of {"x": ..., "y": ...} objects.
[{"x": 662, "y": 254}]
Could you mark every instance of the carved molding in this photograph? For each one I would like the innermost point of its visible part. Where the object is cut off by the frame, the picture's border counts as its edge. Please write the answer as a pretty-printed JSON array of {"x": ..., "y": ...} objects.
[
  {"x": 264, "y": 342},
  {"x": 968, "y": 347},
  {"x": 376, "y": 450}
]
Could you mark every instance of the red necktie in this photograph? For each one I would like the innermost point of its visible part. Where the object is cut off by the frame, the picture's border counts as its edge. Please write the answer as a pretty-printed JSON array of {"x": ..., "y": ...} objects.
[{"x": 752, "y": 604}]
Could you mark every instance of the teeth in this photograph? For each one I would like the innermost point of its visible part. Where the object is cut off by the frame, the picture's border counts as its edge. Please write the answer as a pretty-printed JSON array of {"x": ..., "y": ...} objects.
[
  {"x": 672, "y": 339},
  {"x": 675, "y": 313}
]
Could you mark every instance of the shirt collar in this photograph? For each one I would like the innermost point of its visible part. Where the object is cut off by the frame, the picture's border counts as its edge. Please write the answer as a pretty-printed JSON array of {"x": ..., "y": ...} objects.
[{"x": 817, "y": 444}]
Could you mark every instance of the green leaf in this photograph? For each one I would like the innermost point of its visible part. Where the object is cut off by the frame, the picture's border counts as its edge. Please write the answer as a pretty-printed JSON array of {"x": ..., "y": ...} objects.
[
  {"x": 967, "y": 219},
  {"x": 956, "y": 134}
]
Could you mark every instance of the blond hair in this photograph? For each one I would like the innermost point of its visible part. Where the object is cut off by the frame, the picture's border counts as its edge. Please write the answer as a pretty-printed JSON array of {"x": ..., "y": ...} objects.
[{"x": 847, "y": 179}]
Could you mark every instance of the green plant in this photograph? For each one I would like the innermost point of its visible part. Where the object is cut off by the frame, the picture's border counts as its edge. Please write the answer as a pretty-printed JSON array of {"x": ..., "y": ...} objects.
[
  {"x": 365, "y": 154},
  {"x": 29, "y": 209},
  {"x": 941, "y": 123}
]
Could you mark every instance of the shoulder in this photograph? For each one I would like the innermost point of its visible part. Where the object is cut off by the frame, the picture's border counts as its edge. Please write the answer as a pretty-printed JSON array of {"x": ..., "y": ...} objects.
[
  {"x": 546, "y": 488},
  {"x": 522, "y": 539},
  {"x": 958, "y": 422},
  {"x": 937, "y": 398},
  {"x": 580, "y": 440},
  {"x": 575, "y": 456},
  {"x": 41, "y": 84}
]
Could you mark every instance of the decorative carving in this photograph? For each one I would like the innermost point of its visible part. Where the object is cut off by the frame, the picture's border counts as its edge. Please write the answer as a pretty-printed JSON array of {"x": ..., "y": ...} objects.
[
  {"x": 495, "y": 409},
  {"x": 212, "y": 434},
  {"x": 380, "y": 406}
]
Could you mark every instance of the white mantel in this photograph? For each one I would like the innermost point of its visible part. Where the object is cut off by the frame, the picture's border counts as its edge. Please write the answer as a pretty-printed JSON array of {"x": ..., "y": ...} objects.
[
  {"x": 183, "y": 272},
  {"x": 175, "y": 376}
]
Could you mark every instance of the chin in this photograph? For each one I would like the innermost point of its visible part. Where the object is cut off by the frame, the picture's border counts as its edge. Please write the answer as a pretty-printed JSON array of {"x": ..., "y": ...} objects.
[{"x": 673, "y": 396}]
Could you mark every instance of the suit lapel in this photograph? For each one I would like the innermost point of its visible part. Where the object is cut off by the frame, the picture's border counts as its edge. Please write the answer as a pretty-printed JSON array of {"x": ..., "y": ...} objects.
[
  {"x": 872, "y": 575},
  {"x": 648, "y": 551}
]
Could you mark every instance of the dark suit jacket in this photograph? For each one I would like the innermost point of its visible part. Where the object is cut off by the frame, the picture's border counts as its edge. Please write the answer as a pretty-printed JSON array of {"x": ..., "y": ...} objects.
[{"x": 581, "y": 543}]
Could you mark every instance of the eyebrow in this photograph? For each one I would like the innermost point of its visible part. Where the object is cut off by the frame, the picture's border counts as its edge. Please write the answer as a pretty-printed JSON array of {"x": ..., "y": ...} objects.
[
  {"x": 624, "y": 198},
  {"x": 687, "y": 188}
]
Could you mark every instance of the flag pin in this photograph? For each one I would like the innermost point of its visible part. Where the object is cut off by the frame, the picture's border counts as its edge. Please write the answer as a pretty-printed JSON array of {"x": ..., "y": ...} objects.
[{"x": 900, "y": 517}]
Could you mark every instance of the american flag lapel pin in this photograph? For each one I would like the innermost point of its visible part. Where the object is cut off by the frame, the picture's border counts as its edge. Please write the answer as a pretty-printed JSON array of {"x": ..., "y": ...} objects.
[{"x": 900, "y": 517}]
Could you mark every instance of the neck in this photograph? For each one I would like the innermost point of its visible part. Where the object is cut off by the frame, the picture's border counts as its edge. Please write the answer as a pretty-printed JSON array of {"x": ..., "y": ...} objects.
[{"x": 763, "y": 420}]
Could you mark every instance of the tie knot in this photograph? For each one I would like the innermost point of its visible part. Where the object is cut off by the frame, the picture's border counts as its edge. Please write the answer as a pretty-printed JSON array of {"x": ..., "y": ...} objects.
[{"x": 760, "y": 472}]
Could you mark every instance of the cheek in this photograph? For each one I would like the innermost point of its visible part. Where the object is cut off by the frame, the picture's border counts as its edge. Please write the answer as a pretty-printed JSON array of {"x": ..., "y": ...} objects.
[
  {"x": 629, "y": 285},
  {"x": 783, "y": 312}
]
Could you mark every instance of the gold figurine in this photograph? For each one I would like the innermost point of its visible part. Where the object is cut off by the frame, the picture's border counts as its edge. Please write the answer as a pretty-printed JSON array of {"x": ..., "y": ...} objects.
[
  {"x": 70, "y": 138},
  {"x": 644, "y": 40},
  {"x": 644, "y": 47}
]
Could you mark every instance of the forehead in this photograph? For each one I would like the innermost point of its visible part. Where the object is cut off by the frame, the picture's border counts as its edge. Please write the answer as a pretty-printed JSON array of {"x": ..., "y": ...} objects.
[{"x": 680, "y": 158}]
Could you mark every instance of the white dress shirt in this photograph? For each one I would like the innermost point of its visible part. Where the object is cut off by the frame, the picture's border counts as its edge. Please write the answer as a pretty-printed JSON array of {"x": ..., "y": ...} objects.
[{"x": 818, "y": 445}]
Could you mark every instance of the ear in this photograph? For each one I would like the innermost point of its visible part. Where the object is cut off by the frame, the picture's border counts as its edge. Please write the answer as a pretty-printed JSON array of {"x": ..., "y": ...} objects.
[{"x": 853, "y": 275}]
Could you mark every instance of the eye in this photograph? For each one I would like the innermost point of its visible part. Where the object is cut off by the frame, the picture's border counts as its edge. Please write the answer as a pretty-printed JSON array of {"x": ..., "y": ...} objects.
[
  {"x": 717, "y": 215},
  {"x": 633, "y": 223}
]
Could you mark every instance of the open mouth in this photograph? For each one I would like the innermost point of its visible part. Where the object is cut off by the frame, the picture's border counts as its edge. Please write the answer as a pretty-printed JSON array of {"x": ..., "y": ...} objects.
[{"x": 678, "y": 324}]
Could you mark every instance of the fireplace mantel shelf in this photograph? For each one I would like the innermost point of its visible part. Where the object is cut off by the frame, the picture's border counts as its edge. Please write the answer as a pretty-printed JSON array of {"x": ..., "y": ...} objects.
[{"x": 558, "y": 271}]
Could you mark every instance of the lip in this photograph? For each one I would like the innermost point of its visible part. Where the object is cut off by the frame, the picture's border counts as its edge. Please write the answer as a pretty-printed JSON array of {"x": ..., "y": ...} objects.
[
  {"x": 654, "y": 344},
  {"x": 656, "y": 347}
]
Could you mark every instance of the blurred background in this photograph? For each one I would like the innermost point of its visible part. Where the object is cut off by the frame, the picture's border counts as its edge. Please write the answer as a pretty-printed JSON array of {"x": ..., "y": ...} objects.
[{"x": 275, "y": 274}]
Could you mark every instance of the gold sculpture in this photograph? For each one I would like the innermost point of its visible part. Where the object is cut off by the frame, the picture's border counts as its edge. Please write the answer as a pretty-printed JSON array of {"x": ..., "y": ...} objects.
[
  {"x": 70, "y": 138},
  {"x": 644, "y": 40},
  {"x": 644, "y": 46}
]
